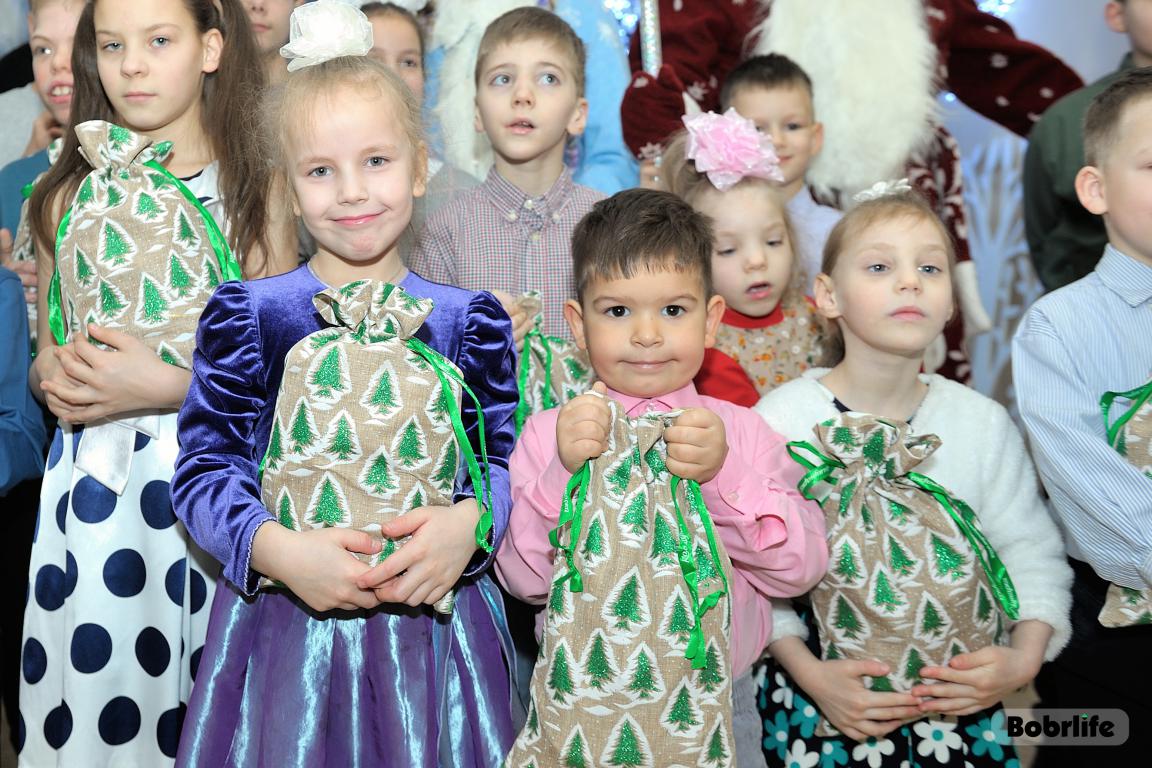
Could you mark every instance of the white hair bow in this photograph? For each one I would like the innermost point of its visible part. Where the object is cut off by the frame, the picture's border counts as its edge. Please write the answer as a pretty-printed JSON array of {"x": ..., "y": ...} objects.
[
  {"x": 324, "y": 30},
  {"x": 882, "y": 189}
]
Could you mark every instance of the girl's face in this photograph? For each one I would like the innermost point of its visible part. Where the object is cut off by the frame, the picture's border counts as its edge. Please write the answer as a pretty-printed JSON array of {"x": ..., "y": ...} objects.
[
  {"x": 396, "y": 45},
  {"x": 891, "y": 289},
  {"x": 354, "y": 173},
  {"x": 152, "y": 61},
  {"x": 752, "y": 258},
  {"x": 51, "y": 31}
]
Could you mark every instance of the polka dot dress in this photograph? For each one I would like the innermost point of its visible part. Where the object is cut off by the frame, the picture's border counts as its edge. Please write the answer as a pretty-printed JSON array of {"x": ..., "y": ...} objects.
[{"x": 116, "y": 613}]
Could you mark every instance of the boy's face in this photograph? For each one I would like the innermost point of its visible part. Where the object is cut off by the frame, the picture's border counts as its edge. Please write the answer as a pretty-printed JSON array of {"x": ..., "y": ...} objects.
[
  {"x": 270, "y": 22},
  {"x": 526, "y": 100},
  {"x": 786, "y": 115},
  {"x": 51, "y": 31},
  {"x": 645, "y": 334},
  {"x": 1120, "y": 188}
]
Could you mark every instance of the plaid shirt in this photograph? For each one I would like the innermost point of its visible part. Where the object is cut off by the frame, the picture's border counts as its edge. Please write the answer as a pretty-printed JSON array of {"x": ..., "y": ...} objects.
[{"x": 495, "y": 237}]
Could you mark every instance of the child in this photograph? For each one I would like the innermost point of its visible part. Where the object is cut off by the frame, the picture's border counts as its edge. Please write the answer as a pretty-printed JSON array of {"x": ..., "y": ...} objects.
[
  {"x": 115, "y": 578},
  {"x": 1072, "y": 347},
  {"x": 646, "y": 315},
  {"x": 776, "y": 94},
  {"x": 512, "y": 233},
  {"x": 269, "y": 20},
  {"x": 769, "y": 333},
  {"x": 395, "y": 683},
  {"x": 886, "y": 287},
  {"x": 398, "y": 43},
  {"x": 1065, "y": 240}
]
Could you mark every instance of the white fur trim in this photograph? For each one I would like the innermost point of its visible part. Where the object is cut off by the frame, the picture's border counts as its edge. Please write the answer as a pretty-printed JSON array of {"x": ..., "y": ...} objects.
[
  {"x": 458, "y": 29},
  {"x": 873, "y": 66},
  {"x": 976, "y": 319}
]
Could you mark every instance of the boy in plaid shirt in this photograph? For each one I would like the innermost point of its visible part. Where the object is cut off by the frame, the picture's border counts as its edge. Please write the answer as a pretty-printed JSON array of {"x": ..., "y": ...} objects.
[{"x": 513, "y": 232}]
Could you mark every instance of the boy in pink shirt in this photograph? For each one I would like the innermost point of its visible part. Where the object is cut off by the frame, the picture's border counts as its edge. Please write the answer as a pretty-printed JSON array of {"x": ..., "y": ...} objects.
[{"x": 645, "y": 313}]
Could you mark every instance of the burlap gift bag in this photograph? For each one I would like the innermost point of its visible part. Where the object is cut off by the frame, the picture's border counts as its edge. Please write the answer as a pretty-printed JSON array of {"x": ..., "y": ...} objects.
[
  {"x": 1131, "y": 435},
  {"x": 912, "y": 581},
  {"x": 136, "y": 250},
  {"x": 367, "y": 423},
  {"x": 634, "y": 666},
  {"x": 552, "y": 370}
]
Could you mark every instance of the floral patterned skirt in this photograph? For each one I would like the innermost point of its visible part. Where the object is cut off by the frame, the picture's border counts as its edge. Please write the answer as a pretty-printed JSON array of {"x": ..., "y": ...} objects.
[{"x": 790, "y": 720}]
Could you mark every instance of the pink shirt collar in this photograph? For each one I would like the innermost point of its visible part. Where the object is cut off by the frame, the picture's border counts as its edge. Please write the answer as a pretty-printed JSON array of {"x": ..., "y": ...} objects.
[{"x": 685, "y": 397}]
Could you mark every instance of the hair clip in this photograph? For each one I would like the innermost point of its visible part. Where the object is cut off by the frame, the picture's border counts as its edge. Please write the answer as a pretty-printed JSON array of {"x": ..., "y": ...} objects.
[
  {"x": 325, "y": 30},
  {"x": 883, "y": 189},
  {"x": 728, "y": 148}
]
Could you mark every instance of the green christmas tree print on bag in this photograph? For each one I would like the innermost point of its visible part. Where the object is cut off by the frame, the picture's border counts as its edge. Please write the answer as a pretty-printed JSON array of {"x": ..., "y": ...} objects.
[
  {"x": 633, "y": 667},
  {"x": 135, "y": 250},
  {"x": 1131, "y": 435},
  {"x": 552, "y": 370},
  {"x": 367, "y": 422},
  {"x": 911, "y": 579}
]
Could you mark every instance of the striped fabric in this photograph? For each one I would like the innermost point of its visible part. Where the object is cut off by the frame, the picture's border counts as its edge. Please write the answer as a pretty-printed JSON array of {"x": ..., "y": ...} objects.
[
  {"x": 1072, "y": 346},
  {"x": 495, "y": 237}
]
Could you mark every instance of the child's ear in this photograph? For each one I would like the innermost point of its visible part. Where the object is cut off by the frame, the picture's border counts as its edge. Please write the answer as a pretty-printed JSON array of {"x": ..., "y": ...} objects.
[
  {"x": 1114, "y": 17},
  {"x": 817, "y": 138},
  {"x": 579, "y": 118},
  {"x": 1090, "y": 190},
  {"x": 824, "y": 294},
  {"x": 715, "y": 311},
  {"x": 213, "y": 43},
  {"x": 574, "y": 315},
  {"x": 477, "y": 121}
]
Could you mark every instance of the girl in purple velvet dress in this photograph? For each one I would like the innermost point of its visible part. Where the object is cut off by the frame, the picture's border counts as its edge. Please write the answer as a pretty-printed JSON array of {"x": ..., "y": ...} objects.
[{"x": 345, "y": 663}]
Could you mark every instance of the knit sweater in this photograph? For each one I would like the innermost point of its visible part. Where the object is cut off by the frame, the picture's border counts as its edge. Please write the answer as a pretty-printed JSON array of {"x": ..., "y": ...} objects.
[{"x": 982, "y": 460}]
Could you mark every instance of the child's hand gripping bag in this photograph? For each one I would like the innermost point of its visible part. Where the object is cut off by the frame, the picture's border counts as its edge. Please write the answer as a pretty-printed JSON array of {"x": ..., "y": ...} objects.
[
  {"x": 135, "y": 251},
  {"x": 552, "y": 370},
  {"x": 911, "y": 581},
  {"x": 1131, "y": 435},
  {"x": 367, "y": 422},
  {"x": 634, "y": 666}
]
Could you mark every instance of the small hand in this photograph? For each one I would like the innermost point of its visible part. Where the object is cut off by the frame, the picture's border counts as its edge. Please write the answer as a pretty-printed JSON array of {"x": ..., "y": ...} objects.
[
  {"x": 430, "y": 563},
  {"x": 45, "y": 129},
  {"x": 975, "y": 681},
  {"x": 25, "y": 269},
  {"x": 521, "y": 322},
  {"x": 582, "y": 428},
  {"x": 93, "y": 383},
  {"x": 317, "y": 565},
  {"x": 838, "y": 690},
  {"x": 697, "y": 445}
]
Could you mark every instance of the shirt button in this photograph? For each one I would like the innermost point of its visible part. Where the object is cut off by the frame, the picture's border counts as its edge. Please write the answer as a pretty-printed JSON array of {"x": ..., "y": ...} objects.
[
  {"x": 535, "y": 237},
  {"x": 733, "y": 498},
  {"x": 555, "y": 217},
  {"x": 511, "y": 215},
  {"x": 529, "y": 204}
]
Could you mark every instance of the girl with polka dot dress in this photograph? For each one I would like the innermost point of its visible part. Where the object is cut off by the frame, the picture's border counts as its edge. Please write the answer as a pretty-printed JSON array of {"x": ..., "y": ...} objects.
[
  {"x": 769, "y": 333},
  {"x": 956, "y": 636},
  {"x": 309, "y": 439},
  {"x": 118, "y": 601}
]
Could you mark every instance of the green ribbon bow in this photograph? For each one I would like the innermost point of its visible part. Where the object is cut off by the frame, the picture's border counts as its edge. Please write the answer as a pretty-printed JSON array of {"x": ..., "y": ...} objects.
[
  {"x": 823, "y": 467},
  {"x": 1114, "y": 431},
  {"x": 572, "y": 516},
  {"x": 225, "y": 260}
]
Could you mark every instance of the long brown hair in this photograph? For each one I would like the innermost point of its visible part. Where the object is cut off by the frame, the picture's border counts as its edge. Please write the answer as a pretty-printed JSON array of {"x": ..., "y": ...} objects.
[{"x": 227, "y": 118}]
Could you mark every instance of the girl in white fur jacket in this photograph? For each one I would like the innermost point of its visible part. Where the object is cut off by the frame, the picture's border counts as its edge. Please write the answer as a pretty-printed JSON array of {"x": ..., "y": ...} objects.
[{"x": 887, "y": 286}]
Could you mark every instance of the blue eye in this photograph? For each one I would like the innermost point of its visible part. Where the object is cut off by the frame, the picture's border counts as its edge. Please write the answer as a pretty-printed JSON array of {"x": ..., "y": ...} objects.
[
  {"x": 160, "y": 42},
  {"x": 320, "y": 172},
  {"x": 376, "y": 161},
  {"x": 111, "y": 47},
  {"x": 931, "y": 269},
  {"x": 877, "y": 268},
  {"x": 549, "y": 78},
  {"x": 500, "y": 80}
]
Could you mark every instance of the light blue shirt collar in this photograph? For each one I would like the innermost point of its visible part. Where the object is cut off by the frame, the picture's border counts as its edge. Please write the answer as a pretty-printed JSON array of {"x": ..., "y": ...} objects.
[{"x": 1125, "y": 276}]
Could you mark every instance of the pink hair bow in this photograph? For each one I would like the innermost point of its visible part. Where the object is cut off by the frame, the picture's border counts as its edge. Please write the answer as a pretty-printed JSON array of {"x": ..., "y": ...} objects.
[{"x": 728, "y": 148}]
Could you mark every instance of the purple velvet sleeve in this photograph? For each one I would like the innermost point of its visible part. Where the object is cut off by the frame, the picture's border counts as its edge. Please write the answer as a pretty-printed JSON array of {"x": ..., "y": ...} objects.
[
  {"x": 487, "y": 359},
  {"x": 216, "y": 491}
]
